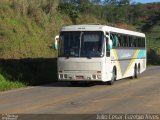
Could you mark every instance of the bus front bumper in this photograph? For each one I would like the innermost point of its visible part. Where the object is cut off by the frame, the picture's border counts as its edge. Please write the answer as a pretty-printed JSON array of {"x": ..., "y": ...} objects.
[{"x": 80, "y": 76}]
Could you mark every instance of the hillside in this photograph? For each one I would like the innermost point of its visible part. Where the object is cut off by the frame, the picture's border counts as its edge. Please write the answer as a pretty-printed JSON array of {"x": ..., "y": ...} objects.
[
  {"x": 25, "y": 34},
  {"x": 28, "y": 28}
]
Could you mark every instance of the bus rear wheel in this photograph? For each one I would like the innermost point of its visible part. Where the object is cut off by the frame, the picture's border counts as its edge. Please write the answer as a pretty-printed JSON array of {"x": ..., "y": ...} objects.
[
  {"x": 113, "y": 78},
  {"x": 135, "y": 72}
]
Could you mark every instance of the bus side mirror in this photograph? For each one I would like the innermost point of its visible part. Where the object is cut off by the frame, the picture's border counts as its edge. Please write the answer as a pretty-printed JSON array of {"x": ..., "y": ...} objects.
[
  {"x": 56, "y": 42},
  {"x": 109, "y": 43}
]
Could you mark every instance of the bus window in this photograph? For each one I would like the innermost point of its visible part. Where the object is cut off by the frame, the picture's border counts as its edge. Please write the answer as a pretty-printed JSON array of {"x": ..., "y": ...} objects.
[
  {"x": 125, "y": 41},
  {"x": 120, "y": 40},
  {"x": 139, "y": 42},
  {"x": 134, "y": 41},
  {"x": 143, "y": 42},
  {"x": 127, "y": 37},
  {"x": 107, "y": 47},
  {"x": 130, "y": 41},
  {"x": 115, "y": 40}
]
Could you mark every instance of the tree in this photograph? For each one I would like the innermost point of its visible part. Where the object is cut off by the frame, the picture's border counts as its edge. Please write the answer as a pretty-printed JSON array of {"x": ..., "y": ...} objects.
[
  {"x": 110, "y": 2},
  {"x": 124, "y": 2},
  {"x": 70, "y": 7}
]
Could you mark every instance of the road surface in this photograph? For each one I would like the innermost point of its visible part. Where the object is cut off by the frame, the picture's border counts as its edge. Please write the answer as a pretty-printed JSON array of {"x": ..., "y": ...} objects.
[{"x": 136, "y": 96}]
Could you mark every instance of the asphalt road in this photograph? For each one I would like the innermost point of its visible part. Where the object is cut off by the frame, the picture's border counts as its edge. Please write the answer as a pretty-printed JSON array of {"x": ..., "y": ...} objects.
[{"x": 136, "y": 96}]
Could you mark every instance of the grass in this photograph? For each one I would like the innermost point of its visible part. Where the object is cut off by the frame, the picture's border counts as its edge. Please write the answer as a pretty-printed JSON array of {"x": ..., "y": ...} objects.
[
  {"x": 153, "y": 37},
  {"x": 27, "y": 72},
  {"x": 24, "y": 39},
  {"x": 6, "y": 84},
  {"x": 27, "y": 35},
  {"x": 26, "y": 56}
]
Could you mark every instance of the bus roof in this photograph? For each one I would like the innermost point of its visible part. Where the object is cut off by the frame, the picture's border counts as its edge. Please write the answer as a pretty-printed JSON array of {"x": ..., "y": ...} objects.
[{"x": 106, "y": 28}]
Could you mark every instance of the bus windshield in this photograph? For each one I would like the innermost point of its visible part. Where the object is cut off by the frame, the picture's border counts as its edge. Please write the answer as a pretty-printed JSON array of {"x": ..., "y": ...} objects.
[{"x": 81, "y": 44}]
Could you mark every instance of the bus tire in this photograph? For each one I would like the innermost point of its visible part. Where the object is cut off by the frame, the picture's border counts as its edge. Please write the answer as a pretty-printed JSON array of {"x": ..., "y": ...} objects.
[
  {"x": 139, "y": 69},
  {"x": 135, "y": 72},
  {"x": 111, "y": 82}
]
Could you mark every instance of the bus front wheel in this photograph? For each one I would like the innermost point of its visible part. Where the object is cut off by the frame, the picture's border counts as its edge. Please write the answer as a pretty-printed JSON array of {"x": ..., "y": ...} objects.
[{"x": 114, "y": 77}]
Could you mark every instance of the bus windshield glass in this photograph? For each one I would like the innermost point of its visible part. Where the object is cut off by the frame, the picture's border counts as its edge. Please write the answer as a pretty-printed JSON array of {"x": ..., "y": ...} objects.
[{"x": 81, "y": 44}]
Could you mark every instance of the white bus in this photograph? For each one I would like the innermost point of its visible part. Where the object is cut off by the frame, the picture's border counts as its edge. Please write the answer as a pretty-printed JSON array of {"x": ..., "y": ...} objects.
[{"x": 99, "y": 53}]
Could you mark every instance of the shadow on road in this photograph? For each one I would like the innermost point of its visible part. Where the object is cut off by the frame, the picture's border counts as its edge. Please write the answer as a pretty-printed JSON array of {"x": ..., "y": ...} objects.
[{"x": 67, "y": 84}]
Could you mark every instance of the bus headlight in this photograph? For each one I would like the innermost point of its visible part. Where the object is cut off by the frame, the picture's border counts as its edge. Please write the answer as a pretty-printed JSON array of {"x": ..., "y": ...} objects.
[
  {"x": 93, "y": 76},
  {"x": 65, "y": 76},
  {"x": 96, "y": 76},
  {"x": 61, "y": 76},
  {"x": 99, "y": 76}
]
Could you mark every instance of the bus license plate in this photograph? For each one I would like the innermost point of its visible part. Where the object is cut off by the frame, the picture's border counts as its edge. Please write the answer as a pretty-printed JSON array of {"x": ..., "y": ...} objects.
[{"x": 79, "y": 77}]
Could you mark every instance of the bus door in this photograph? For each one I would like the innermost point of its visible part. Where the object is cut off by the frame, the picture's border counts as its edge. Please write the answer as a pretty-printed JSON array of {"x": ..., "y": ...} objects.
[{"x": 108, "y": 52}]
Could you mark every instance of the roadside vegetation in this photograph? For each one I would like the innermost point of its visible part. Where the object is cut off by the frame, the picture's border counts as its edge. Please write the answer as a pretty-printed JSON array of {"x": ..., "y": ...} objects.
[
  {"x": 6, "y": 84},
  {"x": 28, "y": 28}
]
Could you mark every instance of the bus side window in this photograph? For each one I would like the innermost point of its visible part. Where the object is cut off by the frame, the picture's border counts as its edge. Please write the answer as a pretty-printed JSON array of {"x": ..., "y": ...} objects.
[
  {"x": 139, "y": 42},
  {"x": 107, "y": 48},
  {"x": 130, "y": 41},
  {"x": 125, "y": 40},
  {"x": 122, "y": 40},
  {"x": 119, "y": 40},
  {"x": 134, "y": 41},
  {"x": 114, "y": 39},
  {"x": 143, "y": 42}
]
